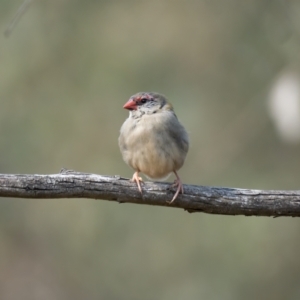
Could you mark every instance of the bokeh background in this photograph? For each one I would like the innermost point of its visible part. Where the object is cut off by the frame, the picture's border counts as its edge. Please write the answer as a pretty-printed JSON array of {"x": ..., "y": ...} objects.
[{"x": 230, "y": 68}]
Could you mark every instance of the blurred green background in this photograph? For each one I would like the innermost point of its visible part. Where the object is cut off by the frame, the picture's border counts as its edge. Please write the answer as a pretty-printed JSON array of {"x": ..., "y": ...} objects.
[{"x": 66, "y": 71}]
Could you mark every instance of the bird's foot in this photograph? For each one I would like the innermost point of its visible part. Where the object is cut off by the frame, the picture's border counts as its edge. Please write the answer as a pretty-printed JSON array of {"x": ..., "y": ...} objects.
[
  {"x": 177, "y": 183},
  {"x": 136, "y": 178}
]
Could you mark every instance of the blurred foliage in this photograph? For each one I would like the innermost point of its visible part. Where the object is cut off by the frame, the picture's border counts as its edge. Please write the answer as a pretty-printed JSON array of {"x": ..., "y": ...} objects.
[{"x": 67, "y": 69}]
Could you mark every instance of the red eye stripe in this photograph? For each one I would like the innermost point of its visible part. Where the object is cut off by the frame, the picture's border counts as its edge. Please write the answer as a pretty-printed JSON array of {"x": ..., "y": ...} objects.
[{"x": 143, "y": 99}]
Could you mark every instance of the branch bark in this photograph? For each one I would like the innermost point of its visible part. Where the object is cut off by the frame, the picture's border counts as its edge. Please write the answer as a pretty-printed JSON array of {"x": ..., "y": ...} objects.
[{"x": 212, "y": 200}]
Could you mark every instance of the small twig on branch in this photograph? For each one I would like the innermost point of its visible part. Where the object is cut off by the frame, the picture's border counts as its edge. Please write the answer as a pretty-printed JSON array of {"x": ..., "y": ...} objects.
[
  {"x": 22, "y": 9},
  {"x": 212, "y": 200}
]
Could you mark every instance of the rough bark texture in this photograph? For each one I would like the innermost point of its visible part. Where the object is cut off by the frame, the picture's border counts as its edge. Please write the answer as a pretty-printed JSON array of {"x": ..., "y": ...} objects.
[{"x": 212, "y": 200}]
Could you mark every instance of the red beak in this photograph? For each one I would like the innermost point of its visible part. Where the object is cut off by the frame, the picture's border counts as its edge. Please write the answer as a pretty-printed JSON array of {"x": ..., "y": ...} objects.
[{"x": 130, "y": 105}]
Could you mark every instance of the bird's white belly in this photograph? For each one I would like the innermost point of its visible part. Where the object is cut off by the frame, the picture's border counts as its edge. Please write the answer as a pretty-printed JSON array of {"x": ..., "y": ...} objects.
[
  {"x": 148, "y": 147},
  {"x": 150, "y": 155},
  {"x": 154, "y": 164}
]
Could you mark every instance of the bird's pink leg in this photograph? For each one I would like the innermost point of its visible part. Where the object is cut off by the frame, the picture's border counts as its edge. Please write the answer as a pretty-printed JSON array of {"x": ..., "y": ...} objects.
[
  {"x": 179, "y": 185},
  {"x": 136, "y": 178}
]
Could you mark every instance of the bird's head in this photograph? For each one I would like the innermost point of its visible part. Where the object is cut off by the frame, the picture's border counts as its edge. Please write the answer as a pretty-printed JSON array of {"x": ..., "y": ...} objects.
[{"x": 146, "y": 103}]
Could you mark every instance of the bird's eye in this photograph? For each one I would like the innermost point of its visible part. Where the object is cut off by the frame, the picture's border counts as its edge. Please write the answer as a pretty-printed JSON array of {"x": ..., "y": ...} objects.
[{"x": 144, "y": 100}]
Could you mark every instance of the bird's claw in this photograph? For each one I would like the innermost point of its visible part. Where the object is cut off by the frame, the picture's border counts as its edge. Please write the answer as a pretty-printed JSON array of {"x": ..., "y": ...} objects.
[
  {"x": 177, "y": 183},
  {"x": 136, "y": 178}
]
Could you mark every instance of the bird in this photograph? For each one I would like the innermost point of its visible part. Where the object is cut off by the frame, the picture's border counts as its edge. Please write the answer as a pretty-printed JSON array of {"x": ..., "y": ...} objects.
[{"x": 152, "y": 141}]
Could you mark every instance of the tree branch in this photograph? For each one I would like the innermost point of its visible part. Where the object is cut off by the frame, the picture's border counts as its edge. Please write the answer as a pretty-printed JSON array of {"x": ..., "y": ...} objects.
[{"x": 212, "y": 200}]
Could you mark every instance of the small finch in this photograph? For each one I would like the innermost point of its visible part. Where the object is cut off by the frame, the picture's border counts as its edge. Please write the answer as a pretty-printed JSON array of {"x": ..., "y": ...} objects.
[{"x": 152, "y": 140}]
